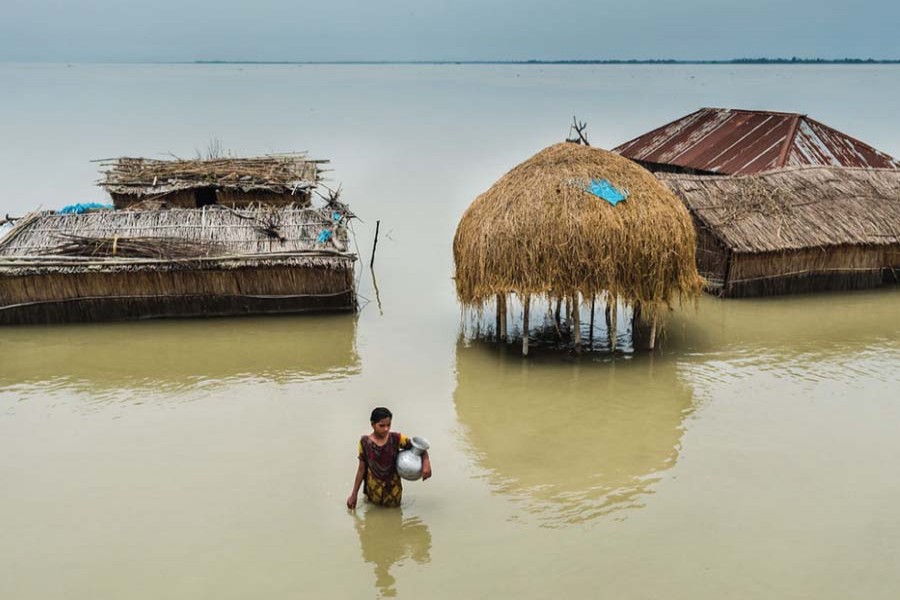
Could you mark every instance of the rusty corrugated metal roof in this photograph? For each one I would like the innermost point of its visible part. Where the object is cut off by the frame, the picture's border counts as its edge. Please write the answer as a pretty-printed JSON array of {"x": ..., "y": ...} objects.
[{"x": 742, "y": 142}]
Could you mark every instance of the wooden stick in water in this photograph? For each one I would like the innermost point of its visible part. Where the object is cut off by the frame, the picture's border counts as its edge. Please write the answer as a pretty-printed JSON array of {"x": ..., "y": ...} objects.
[
  {"x": 613, "y": 318},
  {"x": 502, "y": 310},
  {"x": 527, "y": 304},
  {"x": 576, "y": 320},
  {"x": 375, "y": 244},
  {"x": 591, "y": 334}
]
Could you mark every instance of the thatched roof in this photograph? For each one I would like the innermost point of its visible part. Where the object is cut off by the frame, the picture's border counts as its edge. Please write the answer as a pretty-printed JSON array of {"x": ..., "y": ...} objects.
[
  {"x": 174, "y": 239},
  {"x": 796, "y": 208},
  {"x": 537, "y": 231},
  {"x": 278, "y": 173}
]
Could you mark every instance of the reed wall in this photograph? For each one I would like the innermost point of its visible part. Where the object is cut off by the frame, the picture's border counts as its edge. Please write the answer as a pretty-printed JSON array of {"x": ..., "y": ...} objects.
[
  {"x": 807, "y": 270},
  {"x": 148, "y": 293}
]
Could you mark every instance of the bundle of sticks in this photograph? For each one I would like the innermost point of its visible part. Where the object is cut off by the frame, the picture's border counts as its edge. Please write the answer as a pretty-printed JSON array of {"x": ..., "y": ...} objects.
[
  {"x": 277, "y": 169},
  {"x": 132, "y": 247}
]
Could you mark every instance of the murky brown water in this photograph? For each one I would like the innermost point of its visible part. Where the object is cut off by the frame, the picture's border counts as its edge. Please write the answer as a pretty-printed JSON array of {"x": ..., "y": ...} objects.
[{"x": 753, "y": 456}]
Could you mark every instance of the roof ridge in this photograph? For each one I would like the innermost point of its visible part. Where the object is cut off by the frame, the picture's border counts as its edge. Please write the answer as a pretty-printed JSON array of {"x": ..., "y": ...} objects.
[
  {"x": 789, "y": 140},
  {"x": 756, "y": 111}
]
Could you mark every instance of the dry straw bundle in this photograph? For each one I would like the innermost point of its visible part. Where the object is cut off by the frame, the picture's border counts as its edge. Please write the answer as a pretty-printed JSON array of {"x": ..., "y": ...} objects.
[
  {"x": 537, "y": 231},
  {"x": 277, "y": 172}
]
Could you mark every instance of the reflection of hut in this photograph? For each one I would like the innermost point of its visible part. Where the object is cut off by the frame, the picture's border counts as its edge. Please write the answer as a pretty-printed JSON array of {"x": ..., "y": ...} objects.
[
  {"x": 174, "y": 355},
  {"x": 722, "y": 141},
  {"x": 278, "y": 180},
  {"x": 796, "y": 230},
  {"x": 112, "y": 265},
  {"x": 551, "y": 228},
  {"x": 599, "y": 446}
]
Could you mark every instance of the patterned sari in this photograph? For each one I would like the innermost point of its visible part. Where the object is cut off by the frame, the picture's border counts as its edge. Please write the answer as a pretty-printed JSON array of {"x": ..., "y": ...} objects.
[{"x": 382, "y": 482}]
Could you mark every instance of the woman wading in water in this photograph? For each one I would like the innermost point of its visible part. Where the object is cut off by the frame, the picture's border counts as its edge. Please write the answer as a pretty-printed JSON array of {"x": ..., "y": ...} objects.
[{"x": 377, "y": 470}]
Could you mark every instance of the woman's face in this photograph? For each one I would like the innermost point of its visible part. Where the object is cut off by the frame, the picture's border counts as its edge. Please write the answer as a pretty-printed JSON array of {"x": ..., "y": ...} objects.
[{"x": 382, "y": 427}]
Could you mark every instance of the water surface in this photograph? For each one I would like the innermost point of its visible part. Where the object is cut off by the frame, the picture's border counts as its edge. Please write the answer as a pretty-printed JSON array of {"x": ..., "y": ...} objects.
[{"x": 752, "y": 456}]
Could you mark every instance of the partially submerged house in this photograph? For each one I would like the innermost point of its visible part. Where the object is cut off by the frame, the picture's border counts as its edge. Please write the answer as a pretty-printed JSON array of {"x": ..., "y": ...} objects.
[
  {"x": 575, "y": 223},
  {"x": 794, "y": 230},
  {"x": 724, "y": 141},
  {"x": 278, "y": 180},
  {"x": 113, "y": 265}
]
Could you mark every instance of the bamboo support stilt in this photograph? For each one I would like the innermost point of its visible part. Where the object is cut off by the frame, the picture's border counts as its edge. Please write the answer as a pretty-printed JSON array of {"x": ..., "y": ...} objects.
[
  {"x": 576, "y": 320},
  {"x": 558, "y": 309},
  {"x": 569, "y": 313},
  {"x": 653, "y": 333},
  {"x": 612, "y": 319},
  {"x": 502, "y": 310},
  {"x": 591, "y": 334},
  {"x": 527, "y": 303},
  {"x": 497, "y": 322}
]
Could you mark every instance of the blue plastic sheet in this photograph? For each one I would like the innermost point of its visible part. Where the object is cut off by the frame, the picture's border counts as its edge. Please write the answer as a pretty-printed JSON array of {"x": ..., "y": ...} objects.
[
  {"x": 83, "y": 207},
  {"x": 604, "y": 189},
  {"x": 324, "y": 236}
]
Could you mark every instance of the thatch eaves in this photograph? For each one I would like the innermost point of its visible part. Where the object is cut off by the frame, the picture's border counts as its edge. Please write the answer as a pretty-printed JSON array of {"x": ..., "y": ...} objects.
[
  {"x": 277, "y": 173},
  {"x": 173, "y": 239},
  {"x": 537, "y": 231},
  {"x": 798, "y": 208}
]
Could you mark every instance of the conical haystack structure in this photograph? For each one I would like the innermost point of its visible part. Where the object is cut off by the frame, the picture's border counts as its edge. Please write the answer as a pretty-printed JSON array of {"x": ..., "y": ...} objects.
[{"x": 542, "y": 230}]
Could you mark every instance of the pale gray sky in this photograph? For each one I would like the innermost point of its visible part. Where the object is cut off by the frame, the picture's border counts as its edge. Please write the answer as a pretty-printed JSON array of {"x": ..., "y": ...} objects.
[{"x": 185, "y": 30}]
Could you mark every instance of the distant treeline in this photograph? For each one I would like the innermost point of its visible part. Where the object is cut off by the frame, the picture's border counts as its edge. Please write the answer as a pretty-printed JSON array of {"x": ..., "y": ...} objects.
[{"x": 794, "y": 60}]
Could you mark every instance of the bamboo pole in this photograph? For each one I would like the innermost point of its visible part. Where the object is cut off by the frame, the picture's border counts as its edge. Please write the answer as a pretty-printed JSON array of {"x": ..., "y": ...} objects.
[
  {"x": 576, "y": 319},
  {"x": 569, "y": 313},
  {"x": 375, "y": 244},
  {"x": 527, "y": 304},
  {"x": 653, "y": 332},
  {"x": 558, "y": 308},
  {"x": 591, "y": 334},
  {"x": 611, "y": 320},
  {"x": 502, "y": 311}
]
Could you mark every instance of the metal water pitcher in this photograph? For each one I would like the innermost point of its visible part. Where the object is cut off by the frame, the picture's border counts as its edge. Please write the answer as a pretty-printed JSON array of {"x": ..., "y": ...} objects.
[{"x": 409, "y": 462}]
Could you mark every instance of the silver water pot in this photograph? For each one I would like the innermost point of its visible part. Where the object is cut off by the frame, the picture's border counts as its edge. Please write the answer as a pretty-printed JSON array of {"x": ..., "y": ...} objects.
[{"x": 409, "y": 462}]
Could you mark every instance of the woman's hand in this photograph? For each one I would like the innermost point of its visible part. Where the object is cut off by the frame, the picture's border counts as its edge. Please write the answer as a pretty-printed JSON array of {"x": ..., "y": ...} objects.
[
  {"x": 351, "y": 502},
  {"x": 426, "y": 468}
]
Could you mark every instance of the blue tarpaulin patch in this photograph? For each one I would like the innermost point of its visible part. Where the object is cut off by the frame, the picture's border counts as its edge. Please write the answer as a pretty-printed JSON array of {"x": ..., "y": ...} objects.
[
  {"x": 77, "y": 209},
  {"x": 604, "y": 189},
  {"x": 324, "y": 236}
]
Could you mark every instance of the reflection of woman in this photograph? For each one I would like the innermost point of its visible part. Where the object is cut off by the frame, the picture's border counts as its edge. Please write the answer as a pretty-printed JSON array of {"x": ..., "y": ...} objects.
[{"x": 386, "y": 539}]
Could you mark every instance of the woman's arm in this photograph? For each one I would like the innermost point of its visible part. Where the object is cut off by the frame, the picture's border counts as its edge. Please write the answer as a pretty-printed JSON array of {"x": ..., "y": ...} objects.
[
  {"x": 426, "y": 466},
  {"x": 360, "y": 473}
]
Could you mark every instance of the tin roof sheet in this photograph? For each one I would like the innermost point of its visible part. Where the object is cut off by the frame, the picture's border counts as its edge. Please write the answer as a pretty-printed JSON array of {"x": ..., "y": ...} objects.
[{"x": 742, "y": 142}]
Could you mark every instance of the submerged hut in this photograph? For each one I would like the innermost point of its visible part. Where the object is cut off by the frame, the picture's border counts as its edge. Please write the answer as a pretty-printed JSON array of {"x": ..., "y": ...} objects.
[
  {"x": 726, "y": 141},
  {"x": 277, "y": 180},
  {"x": 794, "y": 230},
  {"x": 557, "y": 227},
  {"x": 113, "y": 265}
]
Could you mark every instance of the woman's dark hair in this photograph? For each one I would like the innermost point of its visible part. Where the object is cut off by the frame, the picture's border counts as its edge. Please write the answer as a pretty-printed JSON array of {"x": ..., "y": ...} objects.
[{"x": 379, "y": 414}]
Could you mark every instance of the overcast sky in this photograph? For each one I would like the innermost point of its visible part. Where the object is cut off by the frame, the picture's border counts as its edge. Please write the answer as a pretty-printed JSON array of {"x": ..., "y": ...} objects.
[{"x": 265, "y": 30}]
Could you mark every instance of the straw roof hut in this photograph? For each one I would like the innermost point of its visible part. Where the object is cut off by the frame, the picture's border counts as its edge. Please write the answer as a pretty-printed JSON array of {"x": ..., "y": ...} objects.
[
  {"x": 794, "y": 230},
  {"x": 280, "y": 180},
  {"x": 112, "y": 265},
  {"x": 538, "y": 231}
]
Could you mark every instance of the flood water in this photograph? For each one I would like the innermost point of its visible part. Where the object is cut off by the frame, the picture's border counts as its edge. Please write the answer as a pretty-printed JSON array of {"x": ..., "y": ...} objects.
[{"x": 753, "y": 455}]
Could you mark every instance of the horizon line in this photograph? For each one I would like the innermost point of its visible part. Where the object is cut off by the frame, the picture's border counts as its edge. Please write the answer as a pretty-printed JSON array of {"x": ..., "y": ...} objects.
[{"x": 727, "y": 61}]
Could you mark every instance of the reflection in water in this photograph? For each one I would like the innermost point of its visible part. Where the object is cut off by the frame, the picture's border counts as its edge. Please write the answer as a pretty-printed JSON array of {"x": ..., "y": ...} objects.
[
  {"x": 812, "y": 337},
  {"x": 573, "y": 440},
  {"x": 821, "y": 323},
  {"x": 178, "y": 354},
  {"x": 387, "y": 539}
]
